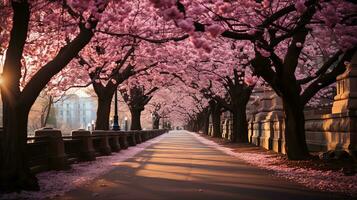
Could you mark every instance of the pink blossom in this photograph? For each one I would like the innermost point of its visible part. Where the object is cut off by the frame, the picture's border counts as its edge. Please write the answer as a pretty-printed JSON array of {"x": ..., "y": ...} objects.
[
  {"x": 172, "y": 13},
  {"x": 300, "y": 6},
  {"x": 207, "y": 47},
  {"x": 250, "y": 80},
  {"x": 266, "y": 3},
  {"x": 251, "y": 31},
  {"x": 197, "y": 42},
  {"x": 226, "y": 8},
  {"x": 215, "y": 30},
  {"x": 186, "y": 25}
]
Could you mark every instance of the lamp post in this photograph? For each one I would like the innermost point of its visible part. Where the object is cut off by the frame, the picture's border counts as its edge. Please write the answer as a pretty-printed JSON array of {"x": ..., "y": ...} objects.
[
  {"x": 152, "y": 121},
  {"x": 93, "y": 125},
  {"x": 116, "y": 126},
  {"x": 126, "y": 123}
]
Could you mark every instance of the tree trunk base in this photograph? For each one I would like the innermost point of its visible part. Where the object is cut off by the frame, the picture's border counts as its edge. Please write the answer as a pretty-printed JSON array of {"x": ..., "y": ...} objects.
[
  {"x": 295, "y": 141},
  {"x": 27, "y": 182},
  {"x": 305, "y": 156}
]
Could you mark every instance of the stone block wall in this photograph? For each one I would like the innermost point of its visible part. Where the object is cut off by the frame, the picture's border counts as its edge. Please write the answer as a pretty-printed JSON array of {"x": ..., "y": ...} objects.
[{"x": 333, "y": 128}]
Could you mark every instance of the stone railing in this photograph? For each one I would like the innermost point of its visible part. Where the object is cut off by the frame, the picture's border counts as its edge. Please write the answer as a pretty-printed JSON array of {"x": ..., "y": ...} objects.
[{"x": 49, "y": 150}]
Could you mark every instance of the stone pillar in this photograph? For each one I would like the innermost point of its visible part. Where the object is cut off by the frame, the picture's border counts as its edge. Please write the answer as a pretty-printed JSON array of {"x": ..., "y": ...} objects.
[
  {"x": 87, "y": 151},
  {"x": 346, "y": 97},
  {"x": 144, "y": 135},
  {"x": 104, "y": 147},
  {"x": 229, "y": 127},
  {"x": 225, "y": 124},
  {"x": 137, "y": 136},
  {"x": 276, "y": 118},
  {"x": 149, "y": 134},
  {"x": 152, "y": 134},
  {"x": 344, "y": 109},
  {"x": 260, "y": 125},
  {"x": 131, "y": 138},
  {"x": 264, "y": 117},
  {"x": 57, "y": 157},
  {"x": 253, "y": 110},
  {"x": 114, "y": 141},
  {"x": 225, "y": 128},
  {"x": 123, "y": 140}
]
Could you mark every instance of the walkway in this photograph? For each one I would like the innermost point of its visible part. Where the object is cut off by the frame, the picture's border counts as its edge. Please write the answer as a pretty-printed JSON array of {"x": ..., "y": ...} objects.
[{"x": 180, "y": 167}]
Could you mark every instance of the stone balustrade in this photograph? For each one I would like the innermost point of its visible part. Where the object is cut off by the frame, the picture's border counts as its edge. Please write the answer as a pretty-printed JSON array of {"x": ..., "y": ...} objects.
[{"x": 49, "y": 150}]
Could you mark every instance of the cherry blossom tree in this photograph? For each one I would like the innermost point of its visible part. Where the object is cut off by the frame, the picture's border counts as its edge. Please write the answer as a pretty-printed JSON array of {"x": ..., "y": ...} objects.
[
  {"x": 136, "y": 98},
  {"x": 280, "y": 32},
  {"x": 155, "y": 115},
  {"x": 221, "y": 77},
  {"x": 197, "y": 118},
  {"x": 105, "y": 76},
  {"x": 119, "y": 52},
  {"x": 138, "y": 90},
  {"x": 23, "y": 41},
  {"x": 161, "y": 107}
]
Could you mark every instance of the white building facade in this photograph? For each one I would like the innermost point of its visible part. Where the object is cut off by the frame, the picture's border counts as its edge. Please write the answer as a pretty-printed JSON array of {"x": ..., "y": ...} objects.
[{"x": 75, "y": 112}]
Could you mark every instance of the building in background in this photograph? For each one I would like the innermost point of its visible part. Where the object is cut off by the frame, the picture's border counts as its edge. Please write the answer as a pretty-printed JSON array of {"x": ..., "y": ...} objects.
[{"x": 73, "y": 112}]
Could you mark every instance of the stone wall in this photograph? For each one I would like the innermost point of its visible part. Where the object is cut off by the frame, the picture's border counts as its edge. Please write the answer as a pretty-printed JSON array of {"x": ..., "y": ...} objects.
[{"x": 331, "y": 128}]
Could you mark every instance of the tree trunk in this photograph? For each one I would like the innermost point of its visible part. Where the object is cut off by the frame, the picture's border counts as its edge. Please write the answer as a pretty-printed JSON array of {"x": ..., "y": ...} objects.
[
  {"x": 135, "y": 119},
  {"x": 295, "y": 141},
  {"x": 15, "y": 174},
  {"x": 14, "y": 171},
  {"x": 103, "y": 112},
  {"x": 240, "y": 125},
  {"x": 47, "y": 112},
  {"x": 206, "y": 123},
  {"x": 216, "y": 123},
  {"x": 156, "y": 123}
]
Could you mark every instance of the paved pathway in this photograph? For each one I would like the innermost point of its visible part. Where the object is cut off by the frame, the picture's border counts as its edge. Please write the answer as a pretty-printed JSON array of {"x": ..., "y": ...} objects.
[{"x": 180, "y": 167}]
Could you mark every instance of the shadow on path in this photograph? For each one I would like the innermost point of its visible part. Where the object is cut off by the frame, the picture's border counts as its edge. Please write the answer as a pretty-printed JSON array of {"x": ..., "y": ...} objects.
[{"x": 180, "y": 167}]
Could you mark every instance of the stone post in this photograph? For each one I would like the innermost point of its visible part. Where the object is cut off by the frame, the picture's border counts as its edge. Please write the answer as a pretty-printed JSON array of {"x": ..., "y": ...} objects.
[
  {"x": 346, "y": 97},
  {"x": 260, "y": 124},
  {"x": 87, "y": 151},
  {"x": 344, "y": 109},
  {"x": 144, "y": 135},
  {"x": 138, "y": 138},
  {"x": 264, "y": 117},
  {"x": 114, "y": 141},
  {"x": 276, "y": 118},
  {"x": 225, "y": 124},
  {"x": 123, "y": 140},
  {"x": 57, "y": 158},
  {"x": 104, "y": 146},
  {"x": 131, "y": 138},
  {"x": 225, "y": 128},
  {"x": 229, "y": 125},
  {"x": 253, "y": 110}
]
